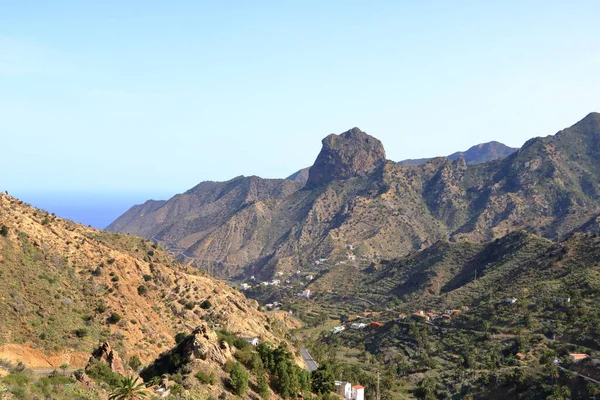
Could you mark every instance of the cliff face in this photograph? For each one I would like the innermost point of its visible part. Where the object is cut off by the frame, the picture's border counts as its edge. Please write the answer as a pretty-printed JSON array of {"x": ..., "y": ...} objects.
[
  {"x": 549, "y": 187},
  {"x": 349, "y": 155}
]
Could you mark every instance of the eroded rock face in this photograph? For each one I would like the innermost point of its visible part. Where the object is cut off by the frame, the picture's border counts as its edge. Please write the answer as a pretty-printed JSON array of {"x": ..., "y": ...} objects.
[
  {"x": 204, "y": 344},
  {"x": 353, "y": 153},
  {"x": 104, "y": 353}
]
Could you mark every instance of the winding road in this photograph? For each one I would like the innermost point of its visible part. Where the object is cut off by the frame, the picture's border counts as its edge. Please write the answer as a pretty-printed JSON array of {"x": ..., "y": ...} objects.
[{"x": 311, "y": 364}]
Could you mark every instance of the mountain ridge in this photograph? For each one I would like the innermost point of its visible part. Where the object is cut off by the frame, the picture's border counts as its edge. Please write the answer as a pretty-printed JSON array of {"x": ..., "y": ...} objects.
[{"x": 549, "y": 187}]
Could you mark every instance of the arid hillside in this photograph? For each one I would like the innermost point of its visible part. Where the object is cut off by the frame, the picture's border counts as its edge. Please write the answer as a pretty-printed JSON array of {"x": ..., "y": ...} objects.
[{"x": 65, "y": 287}]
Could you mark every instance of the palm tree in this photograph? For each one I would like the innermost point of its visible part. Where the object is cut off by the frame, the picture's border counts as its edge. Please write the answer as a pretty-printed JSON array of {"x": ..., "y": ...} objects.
[
  {"x": 129, "y": 389},
  {"x": 560, "y": 393}
]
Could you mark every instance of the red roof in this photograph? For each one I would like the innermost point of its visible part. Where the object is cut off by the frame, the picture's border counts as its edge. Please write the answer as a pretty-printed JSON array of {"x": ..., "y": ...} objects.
[
  {"x": 578, "y": 356},
  {"x": 376, "y": 324},
  {"x": 357, "y": 387}
]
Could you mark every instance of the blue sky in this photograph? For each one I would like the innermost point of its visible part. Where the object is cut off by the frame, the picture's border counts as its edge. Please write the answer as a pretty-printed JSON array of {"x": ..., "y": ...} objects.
[{"x": 148, "y": 98}]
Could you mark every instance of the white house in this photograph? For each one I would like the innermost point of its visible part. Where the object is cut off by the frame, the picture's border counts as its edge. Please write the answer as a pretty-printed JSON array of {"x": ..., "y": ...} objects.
[
  {"x": 244, "y": 286},
  {"x": 358, "y": 392},
  {"x": 252, "y": 341},
  {"x": 275, "y": 282},
  {"x": 343, "y": 389},
  {"x": 310, "y": 277},
  {"x": 305, "y": 293},
  {"x": 252, "y": 278},
  {"x": 562, "y": 299},
  {"x": 358, "y": 325},
  {"x": 349, "y": 246},
  {"x": 351, "y": 257},
  {"x": 338, "y": 329},
  {"x": 511, "y": 300}
]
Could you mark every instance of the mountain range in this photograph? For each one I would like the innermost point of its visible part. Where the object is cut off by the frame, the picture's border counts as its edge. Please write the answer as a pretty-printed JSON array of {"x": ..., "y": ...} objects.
[
  {"x": 354, "y": 196},
  {"x": 474, "y": 155}
]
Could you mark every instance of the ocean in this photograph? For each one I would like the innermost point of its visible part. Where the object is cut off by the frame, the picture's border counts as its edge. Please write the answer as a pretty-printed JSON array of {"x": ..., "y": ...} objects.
[{"x": 96, "y": 210}]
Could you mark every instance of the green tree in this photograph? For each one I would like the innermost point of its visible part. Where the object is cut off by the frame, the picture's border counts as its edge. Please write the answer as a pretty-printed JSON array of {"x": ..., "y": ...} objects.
[
  {"x": 263, "y": 386},
  {"x": 238, "y": 379},
  {"x": 129, "y": 389},
  {"x": 323, "y": 380},
  {"x": 559, "y": 393},
  {"x": 426, "y": 389}
]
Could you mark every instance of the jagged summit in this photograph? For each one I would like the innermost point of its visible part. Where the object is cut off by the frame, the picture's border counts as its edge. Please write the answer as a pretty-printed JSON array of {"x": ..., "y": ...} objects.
[{"x": 352, "y": 153}]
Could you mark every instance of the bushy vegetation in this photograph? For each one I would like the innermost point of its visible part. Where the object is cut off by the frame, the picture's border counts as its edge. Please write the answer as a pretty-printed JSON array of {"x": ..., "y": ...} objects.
[{"x": 238, "y": 379}]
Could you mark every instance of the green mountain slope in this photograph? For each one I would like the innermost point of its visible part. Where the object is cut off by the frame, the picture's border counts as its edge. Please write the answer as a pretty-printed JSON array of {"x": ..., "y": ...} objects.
[{"x": 354, "y": 196}]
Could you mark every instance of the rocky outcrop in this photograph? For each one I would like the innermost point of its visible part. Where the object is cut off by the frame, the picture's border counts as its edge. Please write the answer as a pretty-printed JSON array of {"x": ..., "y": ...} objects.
[
  {"x": 204, "y": 344},
  {"x": 104, "y": 353},
  {"x": 351, "y": 154}
]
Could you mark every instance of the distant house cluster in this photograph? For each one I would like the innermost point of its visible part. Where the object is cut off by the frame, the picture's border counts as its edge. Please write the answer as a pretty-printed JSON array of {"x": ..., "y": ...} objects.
[{"x": 347, "y": 391}]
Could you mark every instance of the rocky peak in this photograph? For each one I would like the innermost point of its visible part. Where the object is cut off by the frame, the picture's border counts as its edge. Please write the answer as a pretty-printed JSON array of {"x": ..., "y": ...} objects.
[
  {"x": 104, "y": 353},
  {"x": 352, "y": 153}
]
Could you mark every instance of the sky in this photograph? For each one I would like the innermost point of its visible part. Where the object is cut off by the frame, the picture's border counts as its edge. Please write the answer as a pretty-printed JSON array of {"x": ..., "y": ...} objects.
[{"x": 121, "y": 101}]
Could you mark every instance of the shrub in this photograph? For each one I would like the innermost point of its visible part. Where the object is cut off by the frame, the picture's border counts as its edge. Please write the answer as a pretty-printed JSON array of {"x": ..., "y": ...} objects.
[
  {"x": 110, "y": 261},
  {"x": 101, "y": 307},
  {"x": 205, "y": 305},
  {"x": 100, "y": 371},
  {"x": 4, "y": 230},
  {"x": 189, "y": 305},
  {"x": 147, "y": 277},
  {"x": 81, "y": 332},
  {"x": 135, "y": 362},
  {"x": 151, "y": 253},
  {"x": 114, "y": 318},
  {"x": 180, "y": 337},
  {"x": 207, "y": 379},
  {"x": 115, "y": 279},
  {"x": 142, "y": 290},
  {"x": 229, "y": 365}
]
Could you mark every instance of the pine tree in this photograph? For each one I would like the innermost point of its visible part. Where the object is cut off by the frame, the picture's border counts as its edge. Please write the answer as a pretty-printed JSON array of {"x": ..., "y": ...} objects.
[
  {"x": 263, "y": 386},
  {"x": 238, "y": 379},
  {"x": 323, "y": 380}
]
